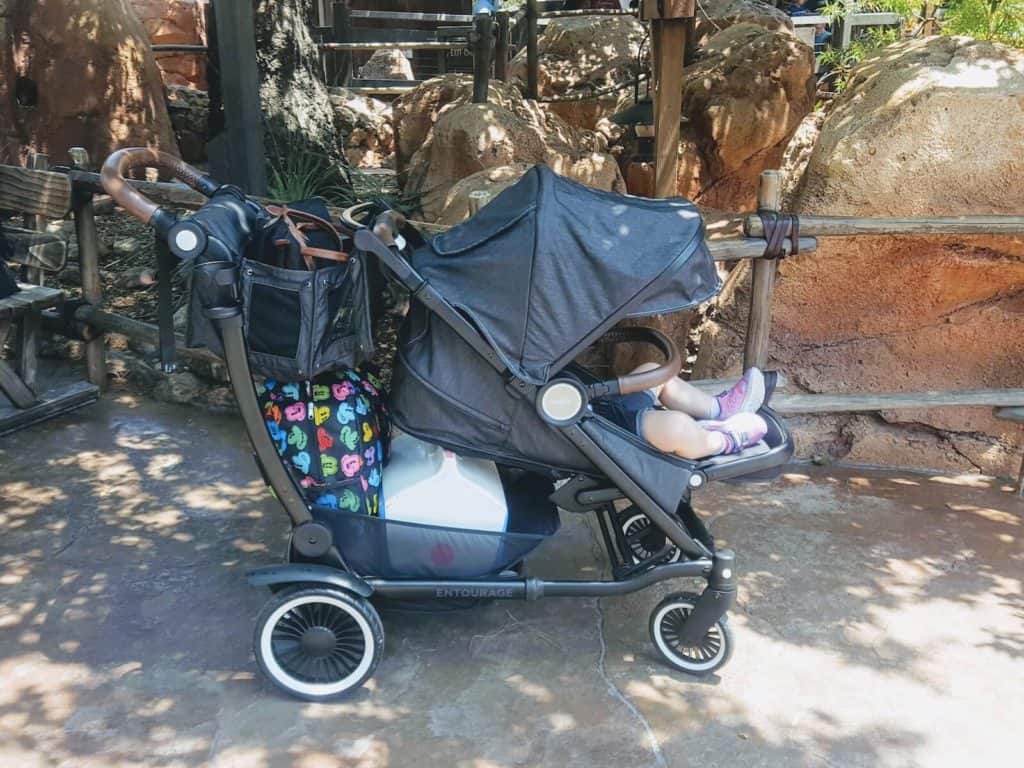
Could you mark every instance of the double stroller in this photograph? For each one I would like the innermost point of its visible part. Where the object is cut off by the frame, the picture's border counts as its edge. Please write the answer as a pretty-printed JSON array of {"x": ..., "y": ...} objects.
[{"x": 501, "y": 308}]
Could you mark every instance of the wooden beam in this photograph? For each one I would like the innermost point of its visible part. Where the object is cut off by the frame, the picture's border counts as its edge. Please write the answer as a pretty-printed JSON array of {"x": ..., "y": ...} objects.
[
  {"x": 865, "y": 402},
  {"x": 762, "y": 281},
  {"x": 92, "y": 286},
  {"x": 751, "y": 248},
  {"x": 42, "y": 250},
  {"x": 532, "y": 57},
  {"x": 39, "y": 193},
  {"x": 52, "y": 402},
  {"x": 668, "y": 44},
  {"x": 148, "y": 333},
  {"x": 847, "y": 226}
]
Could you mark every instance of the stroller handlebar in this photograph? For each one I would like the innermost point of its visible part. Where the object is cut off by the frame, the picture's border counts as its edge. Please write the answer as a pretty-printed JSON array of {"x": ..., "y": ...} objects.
[
  {"x": 638, "y": 382},
  {"x": 123, "y": 161}
]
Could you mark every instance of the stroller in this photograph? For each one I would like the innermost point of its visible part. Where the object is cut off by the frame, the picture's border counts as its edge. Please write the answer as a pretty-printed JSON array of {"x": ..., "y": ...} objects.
[{"x": 501, "y": 307}]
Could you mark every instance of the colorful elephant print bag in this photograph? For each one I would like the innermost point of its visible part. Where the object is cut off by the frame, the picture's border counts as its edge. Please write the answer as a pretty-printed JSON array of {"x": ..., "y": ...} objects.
[{"x": 333, "y": 434}]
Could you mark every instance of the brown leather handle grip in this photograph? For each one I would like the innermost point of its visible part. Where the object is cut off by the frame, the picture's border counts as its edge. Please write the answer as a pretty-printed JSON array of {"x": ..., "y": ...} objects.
[
  {"x": 638, "y": 382},
  {"x": 123, "y": 161}
]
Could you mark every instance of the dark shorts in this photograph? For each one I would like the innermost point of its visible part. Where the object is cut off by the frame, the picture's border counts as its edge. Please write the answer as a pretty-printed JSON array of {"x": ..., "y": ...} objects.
[{"x": 626, "y": 411}]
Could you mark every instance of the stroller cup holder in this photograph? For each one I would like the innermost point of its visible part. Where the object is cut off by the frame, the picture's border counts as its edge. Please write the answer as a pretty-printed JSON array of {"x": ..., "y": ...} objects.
[{"x": 472, "y": 378}]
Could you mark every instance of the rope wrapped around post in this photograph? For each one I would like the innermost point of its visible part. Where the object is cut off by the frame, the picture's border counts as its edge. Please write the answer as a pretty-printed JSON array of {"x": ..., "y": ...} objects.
[{"x": 778, "y": 227}]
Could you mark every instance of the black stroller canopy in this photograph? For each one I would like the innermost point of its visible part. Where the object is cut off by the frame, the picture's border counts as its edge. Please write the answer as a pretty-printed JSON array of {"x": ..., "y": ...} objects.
[{"x": 549, "y": 265}]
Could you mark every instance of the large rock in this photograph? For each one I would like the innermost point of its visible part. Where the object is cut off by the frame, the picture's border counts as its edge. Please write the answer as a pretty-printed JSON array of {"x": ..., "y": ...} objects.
[
  {"x": 714, "y": 16},
  {"x": 366, "y": 126},
  {"x": 579, "y": 53},
  {"x": 928, "y": 127},
  {"x": 387, "y": 64},
  {"x": 176, "y": 22},
  {"x": 742, "y": 102},
  {"x": 474, "y": 137},
  {"x": 77, "y": 74},
  {"x": 416, "y": 111},
  {"x": 190, "y": 113}
]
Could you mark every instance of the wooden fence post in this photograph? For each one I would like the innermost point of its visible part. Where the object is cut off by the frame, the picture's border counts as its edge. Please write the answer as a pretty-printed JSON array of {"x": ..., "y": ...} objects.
[
  {"x": 483, "y": 43},
  {"x": 668, "y": 46},
  {"x": 37, "y": 161},
  {"x": 762, "y": 283},
  {"x": 501, "y": 45},
  {"x": 531, "y": 49},
  {"x": 92, "y": 289}
]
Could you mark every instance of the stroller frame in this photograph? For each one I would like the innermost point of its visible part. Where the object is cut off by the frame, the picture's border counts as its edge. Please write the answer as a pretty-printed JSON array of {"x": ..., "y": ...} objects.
[{"x": 314, "y": 561}]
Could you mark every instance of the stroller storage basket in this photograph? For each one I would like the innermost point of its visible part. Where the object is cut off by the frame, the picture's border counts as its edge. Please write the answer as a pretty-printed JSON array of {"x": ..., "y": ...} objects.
[
  {"x": 376, "y": 546},
  {"x": 298, "y": 323}
]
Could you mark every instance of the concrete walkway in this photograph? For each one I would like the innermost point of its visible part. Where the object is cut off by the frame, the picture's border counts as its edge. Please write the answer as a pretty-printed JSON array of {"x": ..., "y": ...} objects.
[{"x": 880, "y": 623}]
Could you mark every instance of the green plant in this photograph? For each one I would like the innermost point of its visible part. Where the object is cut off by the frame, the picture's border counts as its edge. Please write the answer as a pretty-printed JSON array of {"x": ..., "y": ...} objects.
[
  {"x": 999, "y": 20},
  {"x": 302, "y": 174}
]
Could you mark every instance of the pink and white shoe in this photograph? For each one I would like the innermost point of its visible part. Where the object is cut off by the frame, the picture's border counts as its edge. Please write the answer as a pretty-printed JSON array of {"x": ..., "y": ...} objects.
[
  {"x": 745, "y": 396},
  {"x": 740, "y": 431}
]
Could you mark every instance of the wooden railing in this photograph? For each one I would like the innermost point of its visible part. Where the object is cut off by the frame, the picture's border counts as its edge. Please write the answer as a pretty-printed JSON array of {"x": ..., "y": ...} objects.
[{"x": 73, "y": 190}]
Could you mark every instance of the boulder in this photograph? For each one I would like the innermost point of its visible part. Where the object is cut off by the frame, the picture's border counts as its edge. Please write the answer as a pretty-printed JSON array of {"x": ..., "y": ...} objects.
[
  {"x": 579, "y": 53},
  {"x": 387, "y": 64},
  {"x": 176, "y": 22},
  {"x": 474, "y": 137},
  {"x": 492, "y": 181},
  {"x": 415, "y": 113},
  {"x": 190, "y": 112},
  {"x": 742, "y": 102},
  {"x": 365, "y": 124},
  {"x": 925, "y": 128},
  {"x": 716, "y": 16},
  {"x": 79, "y": 74}
]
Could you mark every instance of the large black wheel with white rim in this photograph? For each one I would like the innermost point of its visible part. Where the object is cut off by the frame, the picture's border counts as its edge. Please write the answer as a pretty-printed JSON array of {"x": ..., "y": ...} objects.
[
  {"x": 318, "y": 643},
  {"x": 710, "y": 653}
]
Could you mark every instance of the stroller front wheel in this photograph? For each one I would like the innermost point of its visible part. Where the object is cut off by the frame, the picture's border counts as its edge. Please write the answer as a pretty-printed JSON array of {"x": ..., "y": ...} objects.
[
  {"x": 317, "y": 643},
  {"x": 710, "y": 653}
]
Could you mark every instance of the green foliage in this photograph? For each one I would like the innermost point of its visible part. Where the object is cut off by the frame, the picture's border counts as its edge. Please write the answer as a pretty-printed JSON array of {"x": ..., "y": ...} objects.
[
  {"x": 999, "y": 20},
  {"x": 302, "y": 174}
]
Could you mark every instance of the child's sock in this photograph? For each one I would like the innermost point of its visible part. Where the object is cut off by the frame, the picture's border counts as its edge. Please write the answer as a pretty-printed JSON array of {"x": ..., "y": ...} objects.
[{"x": 741, "y": 431}]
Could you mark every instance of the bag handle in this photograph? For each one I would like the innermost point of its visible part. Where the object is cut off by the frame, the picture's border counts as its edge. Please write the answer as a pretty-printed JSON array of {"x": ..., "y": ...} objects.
[{"x": 308, "y": 220}]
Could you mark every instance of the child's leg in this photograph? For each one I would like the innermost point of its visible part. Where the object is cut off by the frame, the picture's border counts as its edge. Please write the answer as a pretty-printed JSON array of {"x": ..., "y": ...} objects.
[
  {"x": 746, "y": 396},
  {"x": 679, "y": 395},
  {"x": 675, "y": 432}
]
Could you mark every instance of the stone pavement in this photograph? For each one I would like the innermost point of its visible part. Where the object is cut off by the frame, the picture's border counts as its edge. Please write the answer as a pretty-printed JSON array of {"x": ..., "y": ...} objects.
[{"x": 880, "y": 623}]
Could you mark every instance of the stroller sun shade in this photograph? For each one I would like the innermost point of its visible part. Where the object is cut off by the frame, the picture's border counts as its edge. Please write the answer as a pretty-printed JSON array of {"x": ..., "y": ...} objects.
[{"x": 549, "y": 265}]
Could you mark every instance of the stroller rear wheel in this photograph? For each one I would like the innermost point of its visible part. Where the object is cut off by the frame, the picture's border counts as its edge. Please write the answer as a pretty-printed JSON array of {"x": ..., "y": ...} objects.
[
  {"x": 643, "y": 539},
  {"x": 710, "y": 653},
  {"x": 317, "y": 643}
]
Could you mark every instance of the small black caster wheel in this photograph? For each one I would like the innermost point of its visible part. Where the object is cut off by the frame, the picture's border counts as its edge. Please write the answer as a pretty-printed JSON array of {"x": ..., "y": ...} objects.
[
  {"x": 644, "y": 539},
  {"x": 317, "y": 643},
  {"x": 710, "y": 654}
]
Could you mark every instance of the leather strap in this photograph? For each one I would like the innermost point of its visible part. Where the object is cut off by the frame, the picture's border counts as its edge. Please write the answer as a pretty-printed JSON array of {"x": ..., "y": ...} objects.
[
  {"x": 297, "y": 221},
  {"x": 778, "y": 227}
]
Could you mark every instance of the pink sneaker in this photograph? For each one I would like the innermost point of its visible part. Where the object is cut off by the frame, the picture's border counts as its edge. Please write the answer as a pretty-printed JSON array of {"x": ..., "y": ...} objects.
[
  {"x": 745, "y": 396},
  {"x": 740, "y": 431}
]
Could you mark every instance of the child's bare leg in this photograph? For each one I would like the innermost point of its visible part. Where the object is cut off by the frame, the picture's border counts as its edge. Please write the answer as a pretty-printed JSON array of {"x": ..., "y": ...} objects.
[
  {"x": 675, "y": 432},
  {"x": 679, "y": 395}
]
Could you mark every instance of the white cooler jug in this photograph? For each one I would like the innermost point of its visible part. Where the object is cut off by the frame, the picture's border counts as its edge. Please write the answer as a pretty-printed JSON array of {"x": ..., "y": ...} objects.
[{"x": 426, "y": 484}]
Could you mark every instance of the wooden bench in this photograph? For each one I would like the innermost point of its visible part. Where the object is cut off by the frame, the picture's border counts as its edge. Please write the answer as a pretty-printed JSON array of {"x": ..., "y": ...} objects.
[{"x": 24, "y": 399}]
